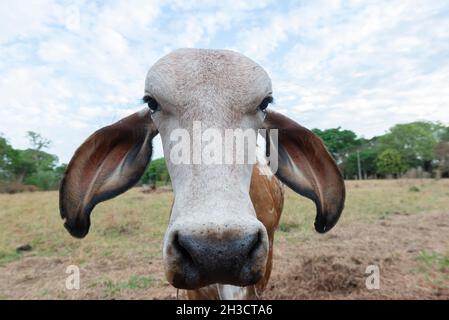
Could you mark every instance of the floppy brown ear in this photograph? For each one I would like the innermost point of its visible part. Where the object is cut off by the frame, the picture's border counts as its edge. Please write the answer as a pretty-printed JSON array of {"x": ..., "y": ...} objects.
[
  {"x": 107, "y": 164},
  {"x": 305, "y": 166}
]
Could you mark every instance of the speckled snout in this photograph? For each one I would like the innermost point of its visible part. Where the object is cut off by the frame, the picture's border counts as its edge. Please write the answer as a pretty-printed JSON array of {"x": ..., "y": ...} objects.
[{"x": 200, "y": 253}]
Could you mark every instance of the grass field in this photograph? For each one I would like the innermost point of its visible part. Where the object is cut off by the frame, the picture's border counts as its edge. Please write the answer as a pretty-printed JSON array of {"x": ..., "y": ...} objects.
[{"x": 400, "y": 225}]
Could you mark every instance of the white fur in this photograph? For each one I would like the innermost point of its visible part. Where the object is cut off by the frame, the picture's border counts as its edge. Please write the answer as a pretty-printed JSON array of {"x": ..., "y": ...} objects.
[
  {"x": 222, "y": 89},
  {"x": 228, "y": 292}
]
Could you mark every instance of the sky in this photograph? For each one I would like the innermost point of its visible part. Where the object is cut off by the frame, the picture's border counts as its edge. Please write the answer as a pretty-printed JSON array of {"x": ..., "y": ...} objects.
[{"x": 68, "y": 68}]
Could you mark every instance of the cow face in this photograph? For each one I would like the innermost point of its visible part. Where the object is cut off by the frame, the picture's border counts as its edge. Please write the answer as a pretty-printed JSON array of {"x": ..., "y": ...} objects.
[
  {"x": 213, "y": 235},
  {"x": 196, "y": 97}
]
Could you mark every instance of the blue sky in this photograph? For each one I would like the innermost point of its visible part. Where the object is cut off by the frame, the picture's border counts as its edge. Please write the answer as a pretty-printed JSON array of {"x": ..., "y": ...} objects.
[{"x": 68, "y": 68}]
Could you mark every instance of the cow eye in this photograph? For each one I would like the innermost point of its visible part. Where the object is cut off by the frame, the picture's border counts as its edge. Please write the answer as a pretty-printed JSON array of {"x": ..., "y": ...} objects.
[
  {"x": 152, "y": 103},
  {"x": 265, "y": 102}
]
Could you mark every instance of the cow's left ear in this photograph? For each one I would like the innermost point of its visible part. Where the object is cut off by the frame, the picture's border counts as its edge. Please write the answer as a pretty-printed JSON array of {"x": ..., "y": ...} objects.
[
  {"x": 107, "y": 164},
  {"x": 307, "y": 168}
]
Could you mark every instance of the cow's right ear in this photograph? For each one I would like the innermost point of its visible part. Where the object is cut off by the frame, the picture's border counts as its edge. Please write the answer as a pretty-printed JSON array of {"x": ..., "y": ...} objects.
[{"x": 107, "y": 164}]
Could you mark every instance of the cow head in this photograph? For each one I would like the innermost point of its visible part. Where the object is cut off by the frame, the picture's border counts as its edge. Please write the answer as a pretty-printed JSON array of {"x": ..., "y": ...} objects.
[{"x": 213, "y": 235}]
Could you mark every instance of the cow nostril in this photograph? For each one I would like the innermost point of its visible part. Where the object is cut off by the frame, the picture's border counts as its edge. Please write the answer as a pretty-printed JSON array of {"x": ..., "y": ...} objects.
[
  {"x": 255, "y": 245},
  {"x": 182, "y": 251}
]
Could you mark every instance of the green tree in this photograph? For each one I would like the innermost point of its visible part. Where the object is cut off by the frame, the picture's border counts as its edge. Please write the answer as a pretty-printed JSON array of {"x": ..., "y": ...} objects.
[
  {"x": 45, "y": 176},
  {"x": 339, "y": 142},
  {"x": 22, "y": 164},
  {"x": 27, "y": 163},
  {"x": 390, "y": 162},
  {"x": 442, "y": 151},
  {"x": 44, "y": 180},
  {"x": 414, "y": 141},
  {"x": 156, "y": 172},
  {"x": 31, "y": 166},
  {"x": 37, "y": 141},
  {"x": 368, "y": 156},
  {"x": 6, "y": 154},
  {"x": 61, "y": 169},
  {"x": 444, "y": 134}
]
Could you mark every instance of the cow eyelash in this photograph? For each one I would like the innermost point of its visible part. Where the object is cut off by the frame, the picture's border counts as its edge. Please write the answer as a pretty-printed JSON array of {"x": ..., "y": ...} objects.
[
  {"x": 152, "y": 103},
  {"x": 265, "y": 102}
]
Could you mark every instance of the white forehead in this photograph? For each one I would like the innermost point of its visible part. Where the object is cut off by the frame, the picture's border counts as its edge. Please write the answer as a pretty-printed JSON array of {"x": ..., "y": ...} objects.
[{"x": 187, "y": 74}]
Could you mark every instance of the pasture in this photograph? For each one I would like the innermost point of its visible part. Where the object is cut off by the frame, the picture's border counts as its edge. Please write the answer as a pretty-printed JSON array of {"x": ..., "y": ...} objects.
[{"x": 402, "y": 226}]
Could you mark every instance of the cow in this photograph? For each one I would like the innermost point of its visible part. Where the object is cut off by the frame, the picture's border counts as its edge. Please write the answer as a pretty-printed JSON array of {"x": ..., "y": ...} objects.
[{"x": 219, "y": 240}]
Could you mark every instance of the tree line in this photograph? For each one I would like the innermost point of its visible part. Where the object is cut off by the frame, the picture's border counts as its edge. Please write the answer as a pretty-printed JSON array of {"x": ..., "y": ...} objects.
[
  {"x": 32, "y": 166},
  {"x": 417, "y": 149}
]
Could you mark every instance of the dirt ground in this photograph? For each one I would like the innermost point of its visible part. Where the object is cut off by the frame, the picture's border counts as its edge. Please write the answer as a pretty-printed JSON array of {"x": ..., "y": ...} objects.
[{"x": 331, "y": 266}]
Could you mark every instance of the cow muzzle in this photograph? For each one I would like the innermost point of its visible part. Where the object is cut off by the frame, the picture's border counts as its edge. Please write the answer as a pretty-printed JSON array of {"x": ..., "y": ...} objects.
[{"x": 197, "y": 254}]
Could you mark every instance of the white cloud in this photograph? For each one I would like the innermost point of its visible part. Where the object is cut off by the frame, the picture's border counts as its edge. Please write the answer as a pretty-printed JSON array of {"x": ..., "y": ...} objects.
[
  {"x": 25, "y": 18},
  {"x": 69, "y": 67},
  {"x": 373, "y": 68}
]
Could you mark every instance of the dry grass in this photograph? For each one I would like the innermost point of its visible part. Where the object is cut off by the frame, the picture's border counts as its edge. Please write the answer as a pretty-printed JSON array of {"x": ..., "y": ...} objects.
[
  {"x": 368, "y": 201},
  {"x": 121, "y": 256},
  {"x": 132, "y": 224}
]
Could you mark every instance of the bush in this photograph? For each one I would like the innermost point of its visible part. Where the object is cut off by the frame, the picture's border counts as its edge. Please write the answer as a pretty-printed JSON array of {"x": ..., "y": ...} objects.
[
  {"x": 45, "y": 180},
  {"x": 16, "y": 187},
  {"x": 390, "y": 162}
]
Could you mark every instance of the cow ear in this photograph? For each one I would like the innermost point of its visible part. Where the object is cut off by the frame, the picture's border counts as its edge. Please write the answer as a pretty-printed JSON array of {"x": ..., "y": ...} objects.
[
  {"x": 307, "y": 168},
  {"x": 107, "y": 164}
]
